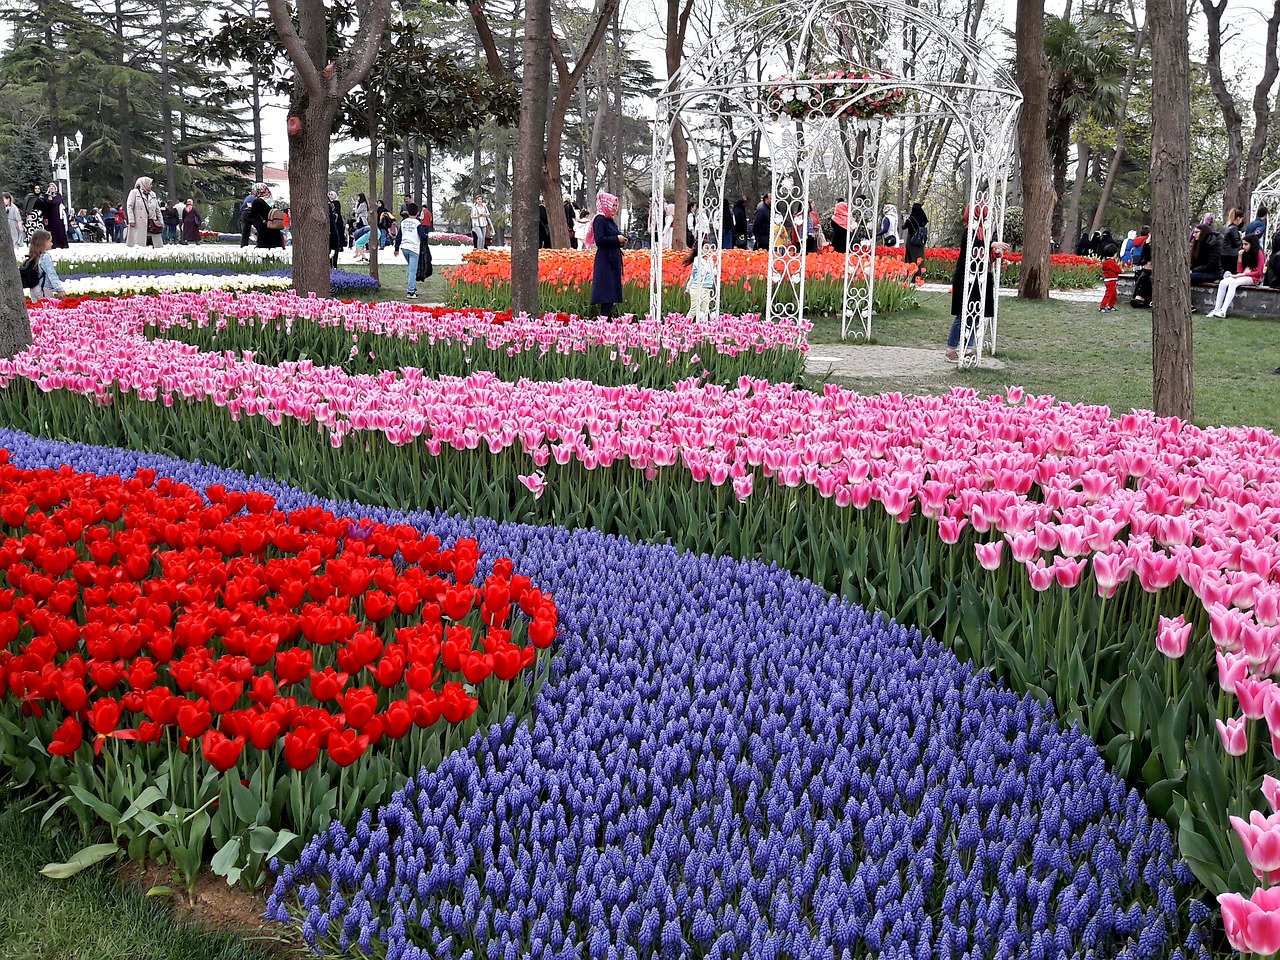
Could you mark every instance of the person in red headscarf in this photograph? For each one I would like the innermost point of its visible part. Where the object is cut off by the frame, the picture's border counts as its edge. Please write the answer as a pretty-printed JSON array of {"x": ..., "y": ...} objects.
[
  {"x": 606, "y": 277},
  {"x": 959, "y": 299}
]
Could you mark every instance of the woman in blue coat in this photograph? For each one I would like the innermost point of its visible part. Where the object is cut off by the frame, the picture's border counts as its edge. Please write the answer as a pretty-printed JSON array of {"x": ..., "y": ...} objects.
[{"x": 606, "y": 278}]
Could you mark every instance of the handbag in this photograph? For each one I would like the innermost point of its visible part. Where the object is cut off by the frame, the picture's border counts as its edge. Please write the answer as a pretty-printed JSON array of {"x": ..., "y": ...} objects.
[{"x": 153, "y": 227}]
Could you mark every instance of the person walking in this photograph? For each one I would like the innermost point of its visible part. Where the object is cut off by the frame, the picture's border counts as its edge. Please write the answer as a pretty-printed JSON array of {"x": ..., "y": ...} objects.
[
  {"x": 172, "y": 218},
  {"x": 191, "y": 222},
  {"x": 411, "y": 246},
  {"x": 570, "y": 217},
  {"x": 741, "y": 229},
  {"x": 840, "y": 227},
  {"x": 760, "y": 225},
  {"x": 703, "y": 278},
  {"x": 121, "y": 225},
  {"x": 606, "y": 274},
  {"x": 33, "y": 211},
  {"x": 1110, "y": 278},
  {"x": 57, "y": 216},
  {"x": 246, "y": 221},
  {"x": 268, "y": 220},
  {"x": 13, "y": 220},
  {"x": 581, "y": 225},
  {"x": 38, "y": 274},
  {"x": 481, "y": 223},
  {"x": 337, "y": 230},
  {"x": 887, "y": 232},
  {"x": 960, "y": 300},
  {"x": 144, "y": 216},
  {"x": 915, "y": 231},
  {"x": 1248, "y": 273},
  {"x": 361, "y": 215}
]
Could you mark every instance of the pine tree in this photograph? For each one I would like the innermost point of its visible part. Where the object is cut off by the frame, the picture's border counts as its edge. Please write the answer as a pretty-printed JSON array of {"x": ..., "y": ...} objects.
[{"x": 24, "y": 161}]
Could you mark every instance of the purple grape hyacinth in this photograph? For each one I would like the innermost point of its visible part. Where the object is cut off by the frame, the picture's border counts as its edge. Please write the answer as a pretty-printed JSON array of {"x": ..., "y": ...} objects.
[{"x": 726, "y": 761}]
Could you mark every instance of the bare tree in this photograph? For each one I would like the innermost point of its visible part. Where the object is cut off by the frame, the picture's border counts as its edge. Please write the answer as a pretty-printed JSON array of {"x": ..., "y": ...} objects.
[
  {"x": 1038, "y": 197},
  {"x": 1242, "y": 170},
  {"x": 1173, "y": 392},
  {"x": 569, "y": 79},
  {"x": 320, "y": 84},
  {"x": 530, "y": 156},
  {"x": 1117, "y": 156}
]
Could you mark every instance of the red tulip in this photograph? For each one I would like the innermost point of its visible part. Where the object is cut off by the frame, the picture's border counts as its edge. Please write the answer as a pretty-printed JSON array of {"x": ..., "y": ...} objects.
[
  {"x": 360, "y": 704},
  {"x": 328, "y": 684},
  {"x": 378, "y": 606},
  {"x": 263, "y": 731},
  {"x": 68, "y": 737},
  {"x": 224, "y": 694},
  {"x": 194, "y": 717},
  {"x": 293, "y": 666},
  {"x": 104, "y": 716},
  {"x": 398, "y": 719},
  {"x": 346, "y": 747},
  {"x": 457, "y": 602},
  {"x": 264, "y": 690},
  {"x": 221, "y": 751},
  {"x": 301, "y": 748}
]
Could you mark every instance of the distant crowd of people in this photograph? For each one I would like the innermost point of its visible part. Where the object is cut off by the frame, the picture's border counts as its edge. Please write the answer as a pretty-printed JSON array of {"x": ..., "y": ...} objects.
[{"x": 142, "y": 219}]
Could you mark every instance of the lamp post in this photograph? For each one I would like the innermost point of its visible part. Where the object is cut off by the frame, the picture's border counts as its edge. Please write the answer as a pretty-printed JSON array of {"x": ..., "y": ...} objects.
[{"x": 62, "y": 165}]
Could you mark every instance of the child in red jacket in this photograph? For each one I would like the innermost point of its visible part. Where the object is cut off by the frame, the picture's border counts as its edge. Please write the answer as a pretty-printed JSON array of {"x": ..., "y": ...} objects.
[{"x": 1110, "y": 274}]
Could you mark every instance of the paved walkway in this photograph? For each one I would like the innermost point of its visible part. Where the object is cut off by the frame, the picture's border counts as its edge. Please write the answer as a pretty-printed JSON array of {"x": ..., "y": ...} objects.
[
  {"x": 1083, "y": 295},
  {"x": 874, "y": 362}
]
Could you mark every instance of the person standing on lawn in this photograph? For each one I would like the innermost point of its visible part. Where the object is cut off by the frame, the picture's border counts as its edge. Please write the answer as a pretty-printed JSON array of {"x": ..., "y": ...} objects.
[
  {"x": 959, "y": 300},
  {"x": 246, "y": 218},
  {"x": 481, "y": 222},
  {"x": 1110, "y": 276},
  {"x": 337, "y": 229},
  {"x": 606, "y": 275},
  {"x": 410, "y": 246}
]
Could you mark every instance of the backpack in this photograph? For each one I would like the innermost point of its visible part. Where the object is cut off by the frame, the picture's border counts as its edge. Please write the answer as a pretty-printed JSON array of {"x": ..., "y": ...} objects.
[
  {"x": 275, "y": 219},
  {"x": 29, "y": 271}
]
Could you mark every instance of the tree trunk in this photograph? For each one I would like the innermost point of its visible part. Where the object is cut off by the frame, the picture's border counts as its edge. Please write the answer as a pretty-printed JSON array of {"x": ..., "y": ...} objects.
[
  {"x": 373, "y": 248},
  {"x": 1037, "y": 190},
  {"x": 1071, "y": 219},
  {"x": 426, "y": 179},
  {"x": 15, "y": 325},
  {"x": 166, "y": 112},
  {"x": 124, "y": 108},
  {"x": 1173, "y": 391},
  {"x": 388, "y": 177},
  {"x": 318, "y": 91},
  {"x": 1117, "y": 157},
  {"x": 1061, "y": 144},
  {"x": 1231, "y": 122},
  {"x": 678, "y": 12},
  {"x": 258, "y": 172},
  {"x": 1261, "y": 112},
  {"x": 619, "y": 119},
  {"x": 529, "y": 156}
]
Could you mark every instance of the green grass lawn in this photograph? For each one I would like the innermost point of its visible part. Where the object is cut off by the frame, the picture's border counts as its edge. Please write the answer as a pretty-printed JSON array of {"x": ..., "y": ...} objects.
[
  {"x": 1071, "y": 351},
  {"x": 92, "y": 916}
]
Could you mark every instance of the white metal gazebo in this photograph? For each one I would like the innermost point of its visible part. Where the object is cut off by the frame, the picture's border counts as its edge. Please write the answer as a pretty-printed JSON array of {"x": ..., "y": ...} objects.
[
  {"x": 831, "y": 86},
  {"x": 1266, "y": 193}
]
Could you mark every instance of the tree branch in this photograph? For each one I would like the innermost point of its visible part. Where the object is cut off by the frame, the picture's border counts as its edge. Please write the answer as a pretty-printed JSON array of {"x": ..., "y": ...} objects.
[
  {"x": 492, "y": 58},
  {"x": 373, "y": 23},
  {"x": 308, "y": 73}
]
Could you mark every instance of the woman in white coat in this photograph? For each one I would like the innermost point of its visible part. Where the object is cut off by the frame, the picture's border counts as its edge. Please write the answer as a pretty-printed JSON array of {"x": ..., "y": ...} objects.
[
  {"x": 143, "y": 209},
  {"x": 13, "y": 220}
]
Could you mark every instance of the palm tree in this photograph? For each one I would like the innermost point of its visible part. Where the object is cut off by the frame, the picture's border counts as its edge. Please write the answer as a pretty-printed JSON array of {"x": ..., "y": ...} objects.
[{"x": 1087, "y": 72}]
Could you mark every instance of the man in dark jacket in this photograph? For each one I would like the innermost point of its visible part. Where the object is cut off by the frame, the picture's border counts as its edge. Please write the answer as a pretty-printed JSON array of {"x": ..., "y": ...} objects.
[
  {"x": 246, "y": 221},
  {"x": 740, "y": 222},
  {"x": 760, "y": 225}
]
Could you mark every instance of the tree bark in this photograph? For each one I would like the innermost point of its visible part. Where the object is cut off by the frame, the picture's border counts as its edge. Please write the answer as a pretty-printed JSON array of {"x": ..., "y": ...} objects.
[
  {"x": 619, "y": 118},
  {"x": 258, "y": 172},
  {"x": 318, "y": 90},
  {"x": 15, "y": 325},
  {"x": 1071, "y": 218},
  {"x": 530, "y": 155},
  {"x": 1173, "y": 391},
  {"x": 1261, "y": 111},
  {"x": 491, "y": 58},
  {"x": 1061, "y": 146},
  {"x": 1231, "y": 122},
  {"x": 552, "y": 187},
  {"x": 1032, "y": 67},
  {"x": 124, "y": 108},
  {"x": 166, "y": 112},
  {"x": 371, "y": 118},
  {"x": 678, "y": 13}
]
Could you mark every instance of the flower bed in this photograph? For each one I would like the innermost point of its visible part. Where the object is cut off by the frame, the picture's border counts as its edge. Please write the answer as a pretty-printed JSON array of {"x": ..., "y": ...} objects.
[
  {"x": 1066, "y": 270},
  {"x": 217, "y": 237},
  {"x": 452, "y": 239},
  {"x": 150, "y": 282},
  {"x": 727, "y": 762},
  {"x": 114, "y": 258},
  {"x": 368, "y": 338},
  {"x": 1042, "y": 541},
  {"x": 484, "y": 280},
  {"x": 152, "y": 642}
]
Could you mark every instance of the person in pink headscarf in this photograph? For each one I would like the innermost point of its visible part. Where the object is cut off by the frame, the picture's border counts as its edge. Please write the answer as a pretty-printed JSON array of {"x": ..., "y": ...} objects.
[
  {"x": 840, "y": 227},
  {"x": 606, "y": 277}
]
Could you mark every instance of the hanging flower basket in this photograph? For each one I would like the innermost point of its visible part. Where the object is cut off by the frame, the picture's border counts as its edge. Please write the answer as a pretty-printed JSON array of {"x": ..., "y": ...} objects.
[{"x": 810, "y": 95}]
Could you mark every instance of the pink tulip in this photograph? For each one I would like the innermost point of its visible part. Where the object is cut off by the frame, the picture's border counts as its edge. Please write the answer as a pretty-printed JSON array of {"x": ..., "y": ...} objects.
[
  {"x": 989, "y": 554},
  {"x": 1261, "y": 838},
  {"x": 1253, "y": 695},
  {"x": 536, "y": 483},
  {"x": 949, "y": 530},
  {"x": 1271, "y": 790},
  {"x": 1235, "y": 736},
  {"x": 1231, "y": 670},
  {"x": 1235, "y": 918},
  {"x": 1041, "y": 576},
  {"x": 1172, "y": 636}
]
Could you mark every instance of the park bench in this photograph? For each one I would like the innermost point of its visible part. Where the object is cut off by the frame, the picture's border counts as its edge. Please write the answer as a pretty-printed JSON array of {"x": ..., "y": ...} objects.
[{"x": 1257, "y": 302}]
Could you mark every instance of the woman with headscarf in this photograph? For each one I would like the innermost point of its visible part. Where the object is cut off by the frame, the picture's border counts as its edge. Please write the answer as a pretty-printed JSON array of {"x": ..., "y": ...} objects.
[
  {"x": 144, "y": 216},
  {"x": 56, "y": 215},
  {"x": 191, "y": 222},
  {"x": 887, "y": 235},
  {"x": 33, "y": 211},
  {"x": 337, "y": 229},
  {"x": 840, "y": 227},
  {"x": 916, "y": 233},
  {"x": 1126, "y": 251},
  {"x": 270, "y": 235},
  {"x": 606, "y": 276},
  {"x": 960, "y": 302}
]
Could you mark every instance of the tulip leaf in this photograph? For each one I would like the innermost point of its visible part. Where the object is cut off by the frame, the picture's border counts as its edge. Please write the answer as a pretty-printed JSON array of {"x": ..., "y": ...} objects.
[
  {"x": 86, "y": 857},
  {"x": 141, "y": 802},
  {"x": 225, "y": 862}
]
